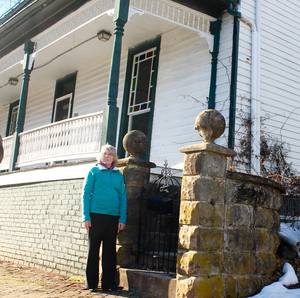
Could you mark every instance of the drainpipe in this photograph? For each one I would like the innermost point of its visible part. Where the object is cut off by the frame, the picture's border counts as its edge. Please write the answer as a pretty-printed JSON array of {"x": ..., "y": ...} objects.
[
  {"x": 255, "y": 92},
  {"x": 215, "y": 29},
  {"x": 255, "y": 87},
  {"x": 110, "y": 121},
  {"x": 233, "y": 10},
  {"x": 28, "y": 64}
]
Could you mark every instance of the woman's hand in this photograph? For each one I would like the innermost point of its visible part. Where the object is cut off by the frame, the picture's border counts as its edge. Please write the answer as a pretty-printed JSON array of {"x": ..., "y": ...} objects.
[
  {"x": 87, "y": 224},
  {"x": 121, "y": 227}
]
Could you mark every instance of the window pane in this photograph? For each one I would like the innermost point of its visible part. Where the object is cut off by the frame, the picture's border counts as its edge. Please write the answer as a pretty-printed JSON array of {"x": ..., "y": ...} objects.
[
  {"x": 144, "y": 76},
  {"x": 62, "y": 109},
  {"x": 140, "y": 122},
  {"x": 65, "y": 86},
  {"x": 13, "y": 120}
]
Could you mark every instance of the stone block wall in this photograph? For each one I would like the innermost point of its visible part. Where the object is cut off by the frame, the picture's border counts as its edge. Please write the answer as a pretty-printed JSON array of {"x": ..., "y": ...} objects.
[
  {"x": 229, "y": 226},
  {"x": 41, "y": 224},
  {"x": 229, "y": 221}
]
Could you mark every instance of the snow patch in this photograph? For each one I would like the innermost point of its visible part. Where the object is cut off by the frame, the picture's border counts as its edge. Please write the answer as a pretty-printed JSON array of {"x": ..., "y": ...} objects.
[{"x": 278, "y": 289}]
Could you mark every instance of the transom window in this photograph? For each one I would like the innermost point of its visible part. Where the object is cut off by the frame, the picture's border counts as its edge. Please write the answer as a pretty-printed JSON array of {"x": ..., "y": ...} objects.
[{"x": 141, "y": 82}]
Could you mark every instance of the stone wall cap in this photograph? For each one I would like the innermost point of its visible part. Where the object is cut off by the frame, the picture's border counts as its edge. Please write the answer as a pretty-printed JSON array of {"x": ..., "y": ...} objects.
[
  {"x": 209, "y": 147},
  {"x": 135, "y": 161},
  {"x": 255, "y": 179}
]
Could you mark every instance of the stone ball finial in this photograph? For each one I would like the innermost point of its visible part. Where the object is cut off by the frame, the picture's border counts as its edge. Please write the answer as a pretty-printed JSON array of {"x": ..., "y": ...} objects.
[
  {"x": 210, "y": 125},
  {"x": 135, "y": 143}
]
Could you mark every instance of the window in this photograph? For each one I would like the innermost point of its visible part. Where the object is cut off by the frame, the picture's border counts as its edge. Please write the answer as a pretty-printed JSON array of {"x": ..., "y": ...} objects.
[
  {"x": 139, "y": 92},
  {"x": 12, "y": 118},
  {"x": 63, "y": 99}
]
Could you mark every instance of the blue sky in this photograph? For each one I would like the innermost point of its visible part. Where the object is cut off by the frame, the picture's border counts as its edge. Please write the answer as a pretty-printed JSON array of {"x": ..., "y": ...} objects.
[{"x": 6, "y": 4}]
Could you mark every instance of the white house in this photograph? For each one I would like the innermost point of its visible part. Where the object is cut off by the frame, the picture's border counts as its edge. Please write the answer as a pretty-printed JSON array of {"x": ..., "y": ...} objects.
[{"x": 177, "y": 59}]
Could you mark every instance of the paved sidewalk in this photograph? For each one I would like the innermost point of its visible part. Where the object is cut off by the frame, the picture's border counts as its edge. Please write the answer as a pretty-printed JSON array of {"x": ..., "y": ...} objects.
[{"x": 27, "y": 282}]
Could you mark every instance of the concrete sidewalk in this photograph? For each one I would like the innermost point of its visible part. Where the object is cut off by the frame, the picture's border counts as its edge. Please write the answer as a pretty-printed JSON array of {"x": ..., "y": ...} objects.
[{"x": 28, "y": 282}]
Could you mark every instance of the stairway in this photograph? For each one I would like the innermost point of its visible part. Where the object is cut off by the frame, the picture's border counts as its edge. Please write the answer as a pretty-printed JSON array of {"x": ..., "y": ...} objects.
[{"x": 148, "y": 284}]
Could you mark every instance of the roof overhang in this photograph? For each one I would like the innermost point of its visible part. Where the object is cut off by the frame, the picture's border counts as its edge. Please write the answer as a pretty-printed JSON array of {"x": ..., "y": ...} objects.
[{"x": 31, "y": 17}]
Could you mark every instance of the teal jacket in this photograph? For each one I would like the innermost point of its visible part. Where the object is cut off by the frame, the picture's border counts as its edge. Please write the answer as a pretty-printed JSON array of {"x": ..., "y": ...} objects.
[{"x": 104, "y": 192}]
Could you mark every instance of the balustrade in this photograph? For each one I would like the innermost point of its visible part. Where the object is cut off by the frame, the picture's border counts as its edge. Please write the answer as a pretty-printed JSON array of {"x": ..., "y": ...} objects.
[{"x": 75, "y": 138}]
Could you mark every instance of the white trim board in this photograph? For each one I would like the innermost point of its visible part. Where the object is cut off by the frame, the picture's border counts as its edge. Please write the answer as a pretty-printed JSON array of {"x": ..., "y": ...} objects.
[{"x": 46, "y": 174}]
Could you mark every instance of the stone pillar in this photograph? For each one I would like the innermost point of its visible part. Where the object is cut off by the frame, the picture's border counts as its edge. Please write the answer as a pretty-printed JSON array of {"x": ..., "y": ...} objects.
[
  {"x": 136, "y": 173},
  {"x": 202, "y": 212}
]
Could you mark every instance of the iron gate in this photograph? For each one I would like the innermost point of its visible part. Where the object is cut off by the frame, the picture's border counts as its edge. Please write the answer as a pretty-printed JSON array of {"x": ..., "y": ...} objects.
[{"x": 159, "y": 223}]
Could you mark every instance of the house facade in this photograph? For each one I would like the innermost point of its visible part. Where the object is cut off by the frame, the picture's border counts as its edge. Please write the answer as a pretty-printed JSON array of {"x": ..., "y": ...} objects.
[{"x": 177, "y": 58}]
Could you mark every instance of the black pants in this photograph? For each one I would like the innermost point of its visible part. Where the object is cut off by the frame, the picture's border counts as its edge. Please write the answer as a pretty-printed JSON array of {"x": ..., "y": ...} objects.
[{"x": 104, "y": 229}]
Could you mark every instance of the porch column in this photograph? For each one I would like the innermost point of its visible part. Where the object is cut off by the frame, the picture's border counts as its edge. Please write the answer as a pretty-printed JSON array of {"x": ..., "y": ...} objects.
[
  {"x": 110, "y": 122},
  {"x": 136, "y": 173},
  {"x": 28, "y": 63},
  {"x": 215, "y": 29}
]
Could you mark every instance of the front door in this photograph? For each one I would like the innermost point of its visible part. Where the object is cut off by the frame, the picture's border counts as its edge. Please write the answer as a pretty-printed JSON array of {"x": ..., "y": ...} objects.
[{"x": 139, "y": 93}]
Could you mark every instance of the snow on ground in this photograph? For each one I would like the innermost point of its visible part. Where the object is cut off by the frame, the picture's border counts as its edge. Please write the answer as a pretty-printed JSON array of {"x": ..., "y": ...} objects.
[
  {"x": 278, "y": 289},
  {"x": 290, "y": 235}
]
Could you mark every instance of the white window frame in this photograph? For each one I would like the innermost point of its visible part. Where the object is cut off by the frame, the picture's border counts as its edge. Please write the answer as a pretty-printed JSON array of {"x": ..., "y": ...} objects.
[
  {"x": 58, "y": 99},
  {"x": 148, "y": 102}
]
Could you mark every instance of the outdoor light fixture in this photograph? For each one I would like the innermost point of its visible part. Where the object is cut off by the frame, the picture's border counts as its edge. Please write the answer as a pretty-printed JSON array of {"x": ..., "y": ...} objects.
[
  {"x": 103, "y": 35},
  {"x": 13, "y": 81}
]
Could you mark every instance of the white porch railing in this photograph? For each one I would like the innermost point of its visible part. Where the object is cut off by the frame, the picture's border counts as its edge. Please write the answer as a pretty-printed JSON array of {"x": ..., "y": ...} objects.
[
  {"x": 75, "y": 138},
  {"x": 7, "y": 146}
]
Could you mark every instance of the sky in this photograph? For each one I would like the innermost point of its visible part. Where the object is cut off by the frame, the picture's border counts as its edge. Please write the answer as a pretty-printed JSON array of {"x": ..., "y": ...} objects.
[{"x": 6, "y": 4}]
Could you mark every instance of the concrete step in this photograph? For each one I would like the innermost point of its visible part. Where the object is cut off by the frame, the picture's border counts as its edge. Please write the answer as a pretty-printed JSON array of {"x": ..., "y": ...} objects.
[{"x": 148, "y": 284}]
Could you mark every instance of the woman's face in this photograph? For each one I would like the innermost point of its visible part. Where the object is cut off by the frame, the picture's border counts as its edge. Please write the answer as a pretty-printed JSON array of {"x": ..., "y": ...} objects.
[{"x": 107, "y": 158}]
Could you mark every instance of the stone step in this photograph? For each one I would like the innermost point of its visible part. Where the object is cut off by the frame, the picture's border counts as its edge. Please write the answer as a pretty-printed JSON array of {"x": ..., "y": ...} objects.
[{"x": 148, "y": 284}]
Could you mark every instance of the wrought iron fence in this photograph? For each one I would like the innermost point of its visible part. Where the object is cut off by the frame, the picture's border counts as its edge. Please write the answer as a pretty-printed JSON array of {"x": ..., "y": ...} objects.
[
  {"x": 159, "y": 223},
  {"x": 290, "y": 210}
]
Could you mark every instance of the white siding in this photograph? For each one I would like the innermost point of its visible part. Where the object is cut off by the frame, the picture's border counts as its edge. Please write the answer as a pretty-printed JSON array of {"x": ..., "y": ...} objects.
[
  {"x": 280, "y": 73},
  {"x": 182, "y": 90},
  {"x": 39, "y": 106}
]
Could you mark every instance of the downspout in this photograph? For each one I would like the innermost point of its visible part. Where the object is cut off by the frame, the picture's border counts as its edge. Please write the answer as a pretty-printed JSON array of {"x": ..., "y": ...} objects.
[
  {"x": 215, "y": 29},
  {"x": 255, "y": 87},
  {"x": 255, "y": 92},
  {"x": 233, "y": 10}
]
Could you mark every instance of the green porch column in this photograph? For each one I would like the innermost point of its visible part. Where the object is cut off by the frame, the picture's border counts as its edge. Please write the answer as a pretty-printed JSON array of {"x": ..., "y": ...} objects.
[
  {"x": 110, "y": 121},
  {"x": 28, "y": 50},
  {"x": 215, "y": 29}
]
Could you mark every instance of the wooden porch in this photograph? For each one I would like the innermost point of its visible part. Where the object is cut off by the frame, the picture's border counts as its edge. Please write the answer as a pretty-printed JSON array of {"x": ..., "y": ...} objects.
[{"x": 78, "y": 138}]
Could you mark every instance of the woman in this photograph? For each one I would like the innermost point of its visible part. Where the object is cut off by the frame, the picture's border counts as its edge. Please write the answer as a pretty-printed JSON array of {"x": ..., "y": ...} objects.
[{"x": 104, "y": 215}]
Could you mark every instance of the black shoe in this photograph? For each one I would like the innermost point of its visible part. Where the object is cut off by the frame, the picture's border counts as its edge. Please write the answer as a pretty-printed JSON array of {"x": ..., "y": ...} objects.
[
  {"x": 116, "y": 289},
  {"x": 93, "y": 290}
]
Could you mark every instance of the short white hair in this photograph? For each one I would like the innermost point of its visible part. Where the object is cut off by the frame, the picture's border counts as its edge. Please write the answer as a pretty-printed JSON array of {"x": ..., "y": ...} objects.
[{"x": 109, "y": 148}]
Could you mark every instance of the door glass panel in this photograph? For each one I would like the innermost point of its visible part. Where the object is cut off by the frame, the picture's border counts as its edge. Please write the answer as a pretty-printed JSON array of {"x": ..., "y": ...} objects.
[
  {"x": 141, "y": 81},
  {"x": 143, "y": 85},
  {"x": 140, "y": 122}
]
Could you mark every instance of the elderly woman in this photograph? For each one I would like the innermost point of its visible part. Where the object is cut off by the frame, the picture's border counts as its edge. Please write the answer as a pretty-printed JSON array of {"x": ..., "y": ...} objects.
[{"x": 104, "y": 215}]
